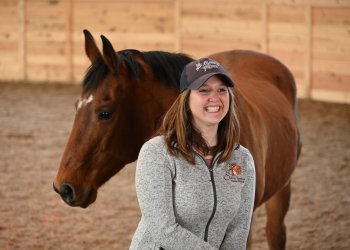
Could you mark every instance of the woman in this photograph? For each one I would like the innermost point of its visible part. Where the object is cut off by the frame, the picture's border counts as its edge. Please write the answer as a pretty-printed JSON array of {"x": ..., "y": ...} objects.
[{"x": 195, "y": 184}]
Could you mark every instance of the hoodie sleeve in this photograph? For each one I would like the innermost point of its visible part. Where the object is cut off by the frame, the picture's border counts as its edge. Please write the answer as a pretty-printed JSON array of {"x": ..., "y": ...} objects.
[
  {"x": 154, "y": 176},
  {"x": 238, "y": 230}
]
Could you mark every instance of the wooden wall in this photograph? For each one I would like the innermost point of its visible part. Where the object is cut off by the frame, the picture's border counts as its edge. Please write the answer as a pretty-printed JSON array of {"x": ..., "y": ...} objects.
[{"x": 42, "y": 40}]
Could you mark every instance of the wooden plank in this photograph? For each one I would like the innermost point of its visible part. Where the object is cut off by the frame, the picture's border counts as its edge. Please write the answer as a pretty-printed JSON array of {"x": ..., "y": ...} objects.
[
  {"x": 9, "y": 48},
  {"x": 328, "y": 80},
  {"x": 10, "y": 35},
  {"x": 8, "y": 4},
  {"x": 221, "y": 10},
  {"x": 42, "y": 60},
  {"x": 124, "y": 1},
  {"x": 9, "y": 60},
  {"x": 22, "y": 7},
  {"x": 125, "y": 17},
  {"x": 336, "y": 3},
  {"x": 331, "y": 16},
  {"x": 330, "y": 96},
  {"x": 288, "y": 29},
  {"x": 138, "y": 41},
  {"x": 46, "y": 73},
  {"x": 331, "y": 31},
  {"x": 286, "y": 14},
  {"x": 293, "y": 59},
  {"x": 339, "y": 66},
  {"x": 337, "y": 52},
  {"x": 207, "y": 27},
  {"x": 288, "y": 42},
  {"x": 195, "y": 46}
]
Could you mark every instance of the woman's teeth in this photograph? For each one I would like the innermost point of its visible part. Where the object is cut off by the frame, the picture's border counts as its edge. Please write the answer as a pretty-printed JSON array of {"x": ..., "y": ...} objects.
[{"x": 212, "y": 109}]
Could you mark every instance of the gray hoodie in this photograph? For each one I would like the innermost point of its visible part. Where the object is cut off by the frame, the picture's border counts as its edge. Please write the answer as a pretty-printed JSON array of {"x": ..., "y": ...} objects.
[{"x": 188, "y": 206}]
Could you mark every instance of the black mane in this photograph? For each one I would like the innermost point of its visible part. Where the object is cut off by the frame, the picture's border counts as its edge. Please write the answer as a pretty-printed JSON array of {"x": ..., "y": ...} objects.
[{"x": 166, "y": 66}]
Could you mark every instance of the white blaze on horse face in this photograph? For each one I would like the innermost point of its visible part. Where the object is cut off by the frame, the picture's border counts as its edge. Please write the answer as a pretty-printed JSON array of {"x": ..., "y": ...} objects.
[{"x": 84, "y": 102}]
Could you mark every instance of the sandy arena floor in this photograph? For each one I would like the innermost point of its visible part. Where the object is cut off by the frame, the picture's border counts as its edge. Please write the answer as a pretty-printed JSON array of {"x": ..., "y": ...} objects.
[{"x": 35, "y": 121}]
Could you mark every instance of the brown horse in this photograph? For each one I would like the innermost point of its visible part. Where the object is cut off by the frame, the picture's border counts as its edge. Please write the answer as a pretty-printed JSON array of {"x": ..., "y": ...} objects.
[{"x": 125, "y": 95}]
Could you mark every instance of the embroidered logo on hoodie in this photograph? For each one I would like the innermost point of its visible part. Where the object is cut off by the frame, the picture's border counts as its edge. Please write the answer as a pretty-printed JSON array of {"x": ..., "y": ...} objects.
[{"x": 233, "y": 173}]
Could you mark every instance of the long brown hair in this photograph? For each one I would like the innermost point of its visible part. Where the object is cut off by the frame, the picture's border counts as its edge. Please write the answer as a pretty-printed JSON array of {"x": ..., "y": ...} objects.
[{"x": 181, "y": 137}]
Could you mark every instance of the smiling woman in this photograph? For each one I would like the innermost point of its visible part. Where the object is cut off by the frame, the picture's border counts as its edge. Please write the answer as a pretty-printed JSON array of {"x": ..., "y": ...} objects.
[{"x": 198, "y": 141}]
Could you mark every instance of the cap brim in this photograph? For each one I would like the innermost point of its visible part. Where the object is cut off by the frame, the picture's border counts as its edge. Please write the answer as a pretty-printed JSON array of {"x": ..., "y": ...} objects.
[{"x": 201, "y": 80}]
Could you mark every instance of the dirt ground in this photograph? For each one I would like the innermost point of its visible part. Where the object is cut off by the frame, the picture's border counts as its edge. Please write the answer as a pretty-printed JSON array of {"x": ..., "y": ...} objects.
[{"x": 35, "y": 121}]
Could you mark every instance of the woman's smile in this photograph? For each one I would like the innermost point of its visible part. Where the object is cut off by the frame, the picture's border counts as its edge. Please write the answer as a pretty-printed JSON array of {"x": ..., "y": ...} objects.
[{"x": 212, "y": 109}]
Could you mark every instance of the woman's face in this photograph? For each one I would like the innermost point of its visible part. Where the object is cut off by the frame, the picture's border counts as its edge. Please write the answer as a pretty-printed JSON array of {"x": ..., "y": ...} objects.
[{"x": 209, "y": 104}]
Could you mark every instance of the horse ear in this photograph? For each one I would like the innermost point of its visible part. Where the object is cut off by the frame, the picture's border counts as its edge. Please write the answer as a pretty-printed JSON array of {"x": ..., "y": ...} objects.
[
  {"x": 109, "y": 55},
  {"x": 91, "y": 48}
]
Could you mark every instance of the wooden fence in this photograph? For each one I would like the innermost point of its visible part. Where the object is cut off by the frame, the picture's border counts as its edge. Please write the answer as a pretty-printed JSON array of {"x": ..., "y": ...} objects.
[{"x": 42, "y": 40}]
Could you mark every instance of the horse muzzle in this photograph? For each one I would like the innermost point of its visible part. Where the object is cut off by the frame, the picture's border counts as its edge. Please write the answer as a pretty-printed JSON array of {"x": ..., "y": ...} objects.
[{"x": 69, "y": 196}]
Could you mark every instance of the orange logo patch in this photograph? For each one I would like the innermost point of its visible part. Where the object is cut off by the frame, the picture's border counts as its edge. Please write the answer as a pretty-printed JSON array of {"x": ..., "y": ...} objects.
[
  {"x": 234, "y": 173},
  {"x": 235, "y": 169}
]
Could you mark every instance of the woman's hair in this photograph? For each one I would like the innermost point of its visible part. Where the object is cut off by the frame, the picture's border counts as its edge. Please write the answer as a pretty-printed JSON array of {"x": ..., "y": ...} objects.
[{"x": 181, "y": 137}]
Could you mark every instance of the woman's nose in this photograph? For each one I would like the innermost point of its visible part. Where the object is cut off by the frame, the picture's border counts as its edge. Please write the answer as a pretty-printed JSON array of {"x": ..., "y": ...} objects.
[{"x": 213, "y": 96}]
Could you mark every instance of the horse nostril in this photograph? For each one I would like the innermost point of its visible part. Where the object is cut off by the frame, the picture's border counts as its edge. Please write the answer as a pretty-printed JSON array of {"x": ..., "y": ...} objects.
[
  {"x": 54, "y": 188},
  {"x": 67, "y": 193}
]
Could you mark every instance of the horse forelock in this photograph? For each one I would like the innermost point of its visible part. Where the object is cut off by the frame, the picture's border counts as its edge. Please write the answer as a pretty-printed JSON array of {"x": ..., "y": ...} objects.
[
  {"x": 97, "y": 71},
  {"x": 166, "y": 67}
]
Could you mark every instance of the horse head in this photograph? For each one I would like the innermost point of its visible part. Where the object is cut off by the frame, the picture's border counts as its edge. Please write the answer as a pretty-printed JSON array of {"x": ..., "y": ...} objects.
[{"x": 115, "y": 114}]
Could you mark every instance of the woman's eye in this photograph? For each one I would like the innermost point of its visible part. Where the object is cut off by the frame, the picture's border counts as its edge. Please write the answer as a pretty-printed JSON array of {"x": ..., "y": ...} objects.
[
  {"x": 203, "y": 91},
  {"x": 104, "y": 115},
  {"x": 223, "y": 90}
]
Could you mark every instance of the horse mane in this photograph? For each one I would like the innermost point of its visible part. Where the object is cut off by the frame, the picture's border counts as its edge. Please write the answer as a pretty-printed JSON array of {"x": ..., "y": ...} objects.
[{"x": 166, "y": 67}]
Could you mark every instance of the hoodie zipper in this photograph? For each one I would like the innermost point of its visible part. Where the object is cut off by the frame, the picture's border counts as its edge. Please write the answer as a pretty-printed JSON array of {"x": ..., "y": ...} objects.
[
  {"x": 212, "y": 180},
  {"x": 214, "y": 206}
]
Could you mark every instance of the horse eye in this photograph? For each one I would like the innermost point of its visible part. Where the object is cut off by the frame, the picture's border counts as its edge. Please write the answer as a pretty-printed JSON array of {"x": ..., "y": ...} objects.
[{"x": 104, "y": 115}]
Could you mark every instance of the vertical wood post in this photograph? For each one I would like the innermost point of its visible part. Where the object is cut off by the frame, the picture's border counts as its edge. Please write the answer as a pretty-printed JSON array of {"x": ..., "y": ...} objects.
[
  {"x": 265, "y": 31},
  {"x": 308, "y": 54},
  {"x": 177, "y": 26},
  {"x": 22, "y": 40},
  {"x": 69, "y": 41}
]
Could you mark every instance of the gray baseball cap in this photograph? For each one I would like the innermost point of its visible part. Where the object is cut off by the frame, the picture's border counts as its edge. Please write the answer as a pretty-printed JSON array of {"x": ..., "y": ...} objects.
[{"x": 198, "y": 72}]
